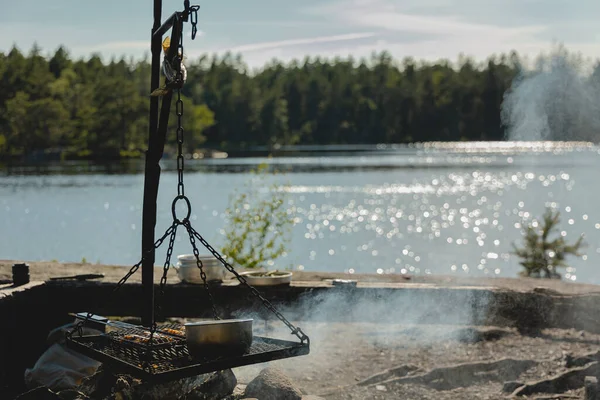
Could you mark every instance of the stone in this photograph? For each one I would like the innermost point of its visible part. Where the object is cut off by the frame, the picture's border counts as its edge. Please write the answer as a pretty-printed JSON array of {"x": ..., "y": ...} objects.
[
  {"x": 511, "y": 386},
  {"x": 98, "y": 385},
  {"x": 239, "y": 390},
  {"x": 211, "y": 386},
  {"x": 312, "y": 397},
  {"x": 272, "y": 384},
  {"x": 397, "y": 372},
  {"x": 476, "y": 335},
  {"x": 197, "y": 387},
  {"x": 591, "y": 388},
  {"x": 122, "y": 384},
  {"x": 218, "y": 385},
  {"x": 571, "y": 379}
]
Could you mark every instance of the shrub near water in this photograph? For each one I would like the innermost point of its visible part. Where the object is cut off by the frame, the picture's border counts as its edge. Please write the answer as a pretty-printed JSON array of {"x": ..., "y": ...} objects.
[
  {"x": 540, "y": 255},
  {"x": 258, "y": 224}
]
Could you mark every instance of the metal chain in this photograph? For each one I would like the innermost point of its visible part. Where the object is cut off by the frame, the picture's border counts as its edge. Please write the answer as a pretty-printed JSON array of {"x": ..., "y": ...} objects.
[
  {"x": 194, "y": 20},
  {"x": 179, "y": 110},
  {"x": 191, "y": 231},
  {"x": 295, "y": 330},
  {"x": 163, "y": 279},
  {"x": 79, "y": 326}
]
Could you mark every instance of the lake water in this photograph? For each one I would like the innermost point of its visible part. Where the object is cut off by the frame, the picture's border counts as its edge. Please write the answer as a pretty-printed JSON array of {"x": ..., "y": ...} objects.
[{"x": 441, "y": 209}]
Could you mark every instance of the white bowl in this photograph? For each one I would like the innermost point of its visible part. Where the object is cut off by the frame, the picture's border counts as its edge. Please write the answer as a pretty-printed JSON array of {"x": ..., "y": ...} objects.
[{"x": 279, "y": 278}]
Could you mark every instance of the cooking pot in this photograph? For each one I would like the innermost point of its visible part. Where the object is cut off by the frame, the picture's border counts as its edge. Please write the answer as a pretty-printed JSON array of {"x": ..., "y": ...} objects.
[
  {"x": 218, "y": 337},
  {"x": 188, "y": 271}
]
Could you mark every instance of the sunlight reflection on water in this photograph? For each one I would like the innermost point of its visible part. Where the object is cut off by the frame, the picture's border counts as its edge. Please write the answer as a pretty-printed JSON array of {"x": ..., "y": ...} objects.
[{"x": 375, "y": 213}]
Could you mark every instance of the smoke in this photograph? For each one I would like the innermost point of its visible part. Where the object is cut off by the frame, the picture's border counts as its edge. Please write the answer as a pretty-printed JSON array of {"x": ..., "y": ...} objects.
[
  {"x": 343, "y": 323},
  {"x": 558, "y": 100}
]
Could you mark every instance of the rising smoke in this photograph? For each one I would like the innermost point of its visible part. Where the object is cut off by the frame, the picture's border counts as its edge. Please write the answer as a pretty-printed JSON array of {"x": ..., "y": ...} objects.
[
  {"x": 339, "y": 321},
  {"x": 558, "y": 100}
]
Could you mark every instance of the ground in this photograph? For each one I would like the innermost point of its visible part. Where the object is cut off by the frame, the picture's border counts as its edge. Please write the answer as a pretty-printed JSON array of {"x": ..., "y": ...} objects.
[{"x": 342, "y": 355}]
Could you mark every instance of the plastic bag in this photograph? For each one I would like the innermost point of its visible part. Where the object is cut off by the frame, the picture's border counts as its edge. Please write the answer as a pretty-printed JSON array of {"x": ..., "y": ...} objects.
[{"x": 59, "y": 367}]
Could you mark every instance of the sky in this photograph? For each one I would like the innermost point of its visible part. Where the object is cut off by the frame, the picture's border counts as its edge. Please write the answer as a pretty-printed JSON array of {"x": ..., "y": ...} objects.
[{"x": 261, "y": 30}]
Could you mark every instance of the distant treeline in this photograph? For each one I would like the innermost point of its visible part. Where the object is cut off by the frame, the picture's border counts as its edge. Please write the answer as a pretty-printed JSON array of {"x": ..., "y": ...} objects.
[{"x": 85, "y": 108}]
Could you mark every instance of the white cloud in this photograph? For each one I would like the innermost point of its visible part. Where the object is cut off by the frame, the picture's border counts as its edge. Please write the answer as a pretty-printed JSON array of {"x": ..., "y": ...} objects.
[
  {"x": 414, "y": 28},
  {"x": 118, "y": 47},
  {"x": 296, "y": 42},
  {"x": 388, "y": 15}
]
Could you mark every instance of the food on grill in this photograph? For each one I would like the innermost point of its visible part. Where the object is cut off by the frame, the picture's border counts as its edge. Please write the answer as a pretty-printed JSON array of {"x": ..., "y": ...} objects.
[
  {"x": 172, "y": 331},
  {"x": 145, "y": 338}
]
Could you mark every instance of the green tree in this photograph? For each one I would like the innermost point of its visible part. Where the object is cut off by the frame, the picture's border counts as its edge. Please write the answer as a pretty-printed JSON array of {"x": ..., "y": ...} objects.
[
  {"x": 541, "y": 256},
  {"x": 258, "y": 224}
]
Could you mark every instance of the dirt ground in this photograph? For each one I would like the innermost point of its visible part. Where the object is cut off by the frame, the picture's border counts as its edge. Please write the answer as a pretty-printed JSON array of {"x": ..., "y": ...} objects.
[{"x": 343, "y": 355}]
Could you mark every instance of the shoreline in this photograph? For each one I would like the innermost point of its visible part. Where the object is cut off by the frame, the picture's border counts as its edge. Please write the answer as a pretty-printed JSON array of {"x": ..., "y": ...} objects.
[{"x": 44, "y": 270}]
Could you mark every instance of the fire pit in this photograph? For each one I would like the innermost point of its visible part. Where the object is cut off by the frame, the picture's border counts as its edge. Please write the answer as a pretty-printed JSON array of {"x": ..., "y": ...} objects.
[{"x": 161, "y": 353}]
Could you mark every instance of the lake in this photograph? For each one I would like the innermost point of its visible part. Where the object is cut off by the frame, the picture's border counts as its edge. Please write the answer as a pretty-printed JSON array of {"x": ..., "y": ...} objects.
[{"x": 437, "y": 209}]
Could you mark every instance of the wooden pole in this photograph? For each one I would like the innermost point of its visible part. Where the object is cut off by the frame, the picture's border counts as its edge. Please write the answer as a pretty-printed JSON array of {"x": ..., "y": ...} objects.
[{"x": 151, "y": 180}]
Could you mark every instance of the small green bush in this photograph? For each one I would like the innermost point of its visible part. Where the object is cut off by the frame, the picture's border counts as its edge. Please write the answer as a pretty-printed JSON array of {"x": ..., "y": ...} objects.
[
  {"x": 258, "y": 225},
  {"x": 540, "y": 255}
]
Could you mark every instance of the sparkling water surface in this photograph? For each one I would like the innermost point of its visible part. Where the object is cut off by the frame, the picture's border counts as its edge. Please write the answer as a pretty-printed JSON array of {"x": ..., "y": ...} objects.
[{"x": 438, "y": 209}]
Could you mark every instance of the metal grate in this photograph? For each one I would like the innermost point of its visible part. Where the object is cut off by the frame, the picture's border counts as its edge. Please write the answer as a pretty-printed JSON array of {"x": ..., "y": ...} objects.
[{"x": 168, "y": 357}]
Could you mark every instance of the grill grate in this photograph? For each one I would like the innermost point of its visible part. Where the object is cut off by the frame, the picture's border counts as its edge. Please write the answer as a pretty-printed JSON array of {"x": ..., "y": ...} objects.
[{"x": 168, "y": 357}]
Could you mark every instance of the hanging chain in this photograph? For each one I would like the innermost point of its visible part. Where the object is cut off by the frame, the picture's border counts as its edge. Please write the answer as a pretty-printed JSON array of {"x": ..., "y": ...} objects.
[
  {"x": 191, "y": 231},
  {"x": 79, "y": 326},
  {"x": 295, "y": 330},
  {"x": 163, "y": 279},
  {"x": 179, "y": 110}
]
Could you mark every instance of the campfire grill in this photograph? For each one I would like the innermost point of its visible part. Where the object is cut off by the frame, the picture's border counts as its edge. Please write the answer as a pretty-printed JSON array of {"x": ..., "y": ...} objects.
[
  {"x": 170, "y": 360},
  {"x": 151, "y": 352}
]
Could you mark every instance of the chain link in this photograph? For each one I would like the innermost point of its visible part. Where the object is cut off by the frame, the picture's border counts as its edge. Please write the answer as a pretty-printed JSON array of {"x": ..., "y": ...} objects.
[{"x": 194, "y": 20}]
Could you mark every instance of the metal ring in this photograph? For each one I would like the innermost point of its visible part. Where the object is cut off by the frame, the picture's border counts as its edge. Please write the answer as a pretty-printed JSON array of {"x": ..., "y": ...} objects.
[{"x": 189, "y": 209}]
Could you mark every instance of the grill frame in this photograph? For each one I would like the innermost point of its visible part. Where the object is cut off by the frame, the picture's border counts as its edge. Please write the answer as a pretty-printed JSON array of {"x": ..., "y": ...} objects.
[{"x": 171, "y": 360}]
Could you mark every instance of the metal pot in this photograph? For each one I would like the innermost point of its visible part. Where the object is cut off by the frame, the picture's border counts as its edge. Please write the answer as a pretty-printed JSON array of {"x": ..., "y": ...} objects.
[
  {"x": 188, "y": 271},
  {"x": 218, "y": 337},
  {"x": 272, "y": 278}
]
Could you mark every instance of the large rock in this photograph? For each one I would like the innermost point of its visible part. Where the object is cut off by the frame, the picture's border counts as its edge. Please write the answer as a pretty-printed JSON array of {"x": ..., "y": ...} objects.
[
  {"x": 272, "y": 384},
  {"x": 217, "y": 386},
  {"x": 211, "y": 386}
]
